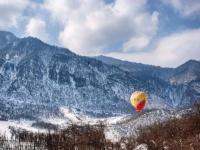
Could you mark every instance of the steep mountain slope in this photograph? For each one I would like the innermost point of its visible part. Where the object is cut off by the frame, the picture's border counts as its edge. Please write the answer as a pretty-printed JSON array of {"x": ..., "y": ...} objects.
[{"x": 37, "y": 80}]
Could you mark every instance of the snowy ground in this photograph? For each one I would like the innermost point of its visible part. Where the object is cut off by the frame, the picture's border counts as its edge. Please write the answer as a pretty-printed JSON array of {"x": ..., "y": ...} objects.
[
  {"x": 74, "y": 117},
  {"x": 116, "y": 127},
  {"x": 24, "y": 124}
]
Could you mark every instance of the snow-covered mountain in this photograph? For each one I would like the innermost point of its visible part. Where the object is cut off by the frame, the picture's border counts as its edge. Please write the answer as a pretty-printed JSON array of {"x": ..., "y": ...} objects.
[
  {"x": 186, "y": 76},
  {"x": 186, "y": 73},
  {"x": 37, "y": 80}
]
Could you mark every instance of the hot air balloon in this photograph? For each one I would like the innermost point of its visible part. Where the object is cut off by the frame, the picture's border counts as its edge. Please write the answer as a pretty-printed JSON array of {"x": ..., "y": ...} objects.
[{"x": 138, "y": 100}]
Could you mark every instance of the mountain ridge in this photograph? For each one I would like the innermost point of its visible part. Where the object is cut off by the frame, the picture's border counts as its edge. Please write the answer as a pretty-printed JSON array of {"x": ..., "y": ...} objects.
[
  {"x": 37, "y": 80},
  {"x": 131, "y": 66}
]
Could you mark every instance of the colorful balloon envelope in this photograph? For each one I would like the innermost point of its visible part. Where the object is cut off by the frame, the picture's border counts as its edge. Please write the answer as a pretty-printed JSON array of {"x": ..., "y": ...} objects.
[{"x": 138, "y": 100}]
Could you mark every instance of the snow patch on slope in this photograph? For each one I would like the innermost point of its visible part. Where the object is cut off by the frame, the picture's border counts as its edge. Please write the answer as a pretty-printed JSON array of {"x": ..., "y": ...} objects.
[
  {"x": 78, "y": 118},
  {"x": 22, "y": 124}
]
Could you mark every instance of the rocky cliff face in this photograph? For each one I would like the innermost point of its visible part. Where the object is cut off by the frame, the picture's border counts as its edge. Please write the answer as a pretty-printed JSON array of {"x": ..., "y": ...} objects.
[{"x": 37, "y": 79}]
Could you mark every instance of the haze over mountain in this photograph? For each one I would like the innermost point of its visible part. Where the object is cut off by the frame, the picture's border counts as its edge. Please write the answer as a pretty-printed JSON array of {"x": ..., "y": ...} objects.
[{"x": 38, "y": 80}]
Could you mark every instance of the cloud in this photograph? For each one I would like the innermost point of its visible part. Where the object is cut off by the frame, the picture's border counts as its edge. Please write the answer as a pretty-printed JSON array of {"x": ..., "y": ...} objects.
[
  {"x": 137, "y": 43},
  {"x": 61, "y": 10},
  {"x": 187, "y": 8},
  {"x": 170, "y": 51},
  {"x": 37, "y": 28},
  {"x": 93, "y": 26},
  {"x": 124, "y": 29},
  {"x": 11, "y": 11},
  {"x": 143, "y": 39}
]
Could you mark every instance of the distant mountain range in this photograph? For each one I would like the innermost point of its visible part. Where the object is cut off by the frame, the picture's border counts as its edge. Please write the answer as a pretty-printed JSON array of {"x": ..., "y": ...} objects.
[
  {"x": 37, "y": 80},
  {"x": 183, "y": 74}
]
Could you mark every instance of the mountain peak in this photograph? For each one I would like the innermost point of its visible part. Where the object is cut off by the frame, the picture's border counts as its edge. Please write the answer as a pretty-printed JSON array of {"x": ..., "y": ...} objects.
[
  {"x": 187, "y": 72},
  {"x": 6, "y": 38},
  {"x": 33, "y": 40},
  {"x": 28, "y": 44},
  {"x": 5, "y": 35},
  {"x": 192, "y": 62}
]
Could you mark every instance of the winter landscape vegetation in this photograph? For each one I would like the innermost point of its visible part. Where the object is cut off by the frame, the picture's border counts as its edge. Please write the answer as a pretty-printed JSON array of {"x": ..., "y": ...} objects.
[{"x": 69, "y": 68}]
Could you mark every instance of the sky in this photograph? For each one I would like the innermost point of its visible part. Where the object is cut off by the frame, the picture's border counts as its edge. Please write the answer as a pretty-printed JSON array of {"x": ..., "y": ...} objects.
[{"x": 157, "y": 32}]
